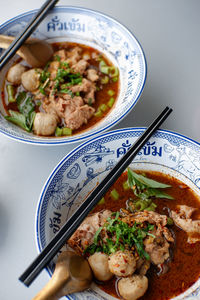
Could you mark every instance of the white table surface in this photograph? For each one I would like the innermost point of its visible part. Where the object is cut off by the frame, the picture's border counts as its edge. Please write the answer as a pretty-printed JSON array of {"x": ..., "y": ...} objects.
[{"x": 168, "y": 31}]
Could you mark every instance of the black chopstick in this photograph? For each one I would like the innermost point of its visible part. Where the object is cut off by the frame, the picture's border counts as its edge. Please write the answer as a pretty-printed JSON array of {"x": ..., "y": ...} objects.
[
  {"x": 77, "y": 218},
  {"x": 22, "y": 37}
]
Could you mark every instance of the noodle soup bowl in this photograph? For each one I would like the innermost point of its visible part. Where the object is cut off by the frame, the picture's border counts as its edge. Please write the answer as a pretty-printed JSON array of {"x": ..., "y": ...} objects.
[
  {"x": 81, "y": 170},
  {"x": 84, "y": 26}
]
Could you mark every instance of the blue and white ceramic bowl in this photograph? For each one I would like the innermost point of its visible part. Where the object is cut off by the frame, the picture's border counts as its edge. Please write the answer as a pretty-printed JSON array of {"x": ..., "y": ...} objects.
[
  {"x": 80, "y": 171},
  {"x": 99, "y": 31}
]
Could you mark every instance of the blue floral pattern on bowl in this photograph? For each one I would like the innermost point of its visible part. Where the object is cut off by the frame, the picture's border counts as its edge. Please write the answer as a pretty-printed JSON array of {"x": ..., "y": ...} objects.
[
  {"x": 79, "y": 172},
  {"x": 101, "y": 32}
]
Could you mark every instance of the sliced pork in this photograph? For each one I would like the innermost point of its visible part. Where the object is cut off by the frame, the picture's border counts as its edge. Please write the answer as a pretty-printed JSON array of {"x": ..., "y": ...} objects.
[
  {"x": 92, "y": 75},
  {"x": 157, "y": 248},
  {"x": 80, "y": 66},
  {"x": 79, "y": 117},
  {"x": 153, "y": 218},
  {"x": 84, "y": 235},
  {"x": 182, "y": 219}
]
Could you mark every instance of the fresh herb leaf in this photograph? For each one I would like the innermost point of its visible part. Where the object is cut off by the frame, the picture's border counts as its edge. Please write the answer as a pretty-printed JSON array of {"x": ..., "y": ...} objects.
[
  {"x": 18, "y": 119},
  {"x": 97, "y": 235},
  {"x": 91, "y": 249},
  {"x": 120, "y": 236},
  {"x": 140, "y": 250},
  {"x": 146, "y": 181},
  {"x": 146, "y": 188},
  {"x": 26, "y": 106},
  {"x": 42, "y": 91},
  {"x": 159, "y": 194},
  {"x": 111, "y": 247},
  {"x": 67, "y": 91},
  {"x": 44, "y": 76}
]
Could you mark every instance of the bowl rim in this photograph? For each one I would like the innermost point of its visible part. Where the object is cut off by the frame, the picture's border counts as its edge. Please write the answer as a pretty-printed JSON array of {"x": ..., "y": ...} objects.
[
  {"x": 97, "y": 132},
  {"x": 77, "y": 149}
]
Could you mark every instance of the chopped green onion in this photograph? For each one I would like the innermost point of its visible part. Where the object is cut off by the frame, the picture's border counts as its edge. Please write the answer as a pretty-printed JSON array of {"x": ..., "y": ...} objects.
[
  {"x": 114, "y": 72},
  {"x": 110, "y": 92},
  {"x": 102, "y": 201},
  {"x": 103, "y": 67},
  {"x": 63, "y": 131},
  {"x": 103, "y": 107},
  {"x": 76, "y": 80},
  {"x": 111, "y": 102},
  {"x": 105, "y": 80},
  {"x": 105, "y": 70},
  {"x": 90, "y": 101},
  {"x": 44, "y": 76},
  {"x": 66, "y": 131},
  {"x": 77, "y": 94},
  {"x": 98, "y": 113},
  {"x": 61, "y": 73},
  {"x": 65, "y": 85},
  {"x": 141, "y": 205},
  {"x": 42, "y": 87},
  {"x": 97, "y": 88},
  {"x": 114, "y": 194},
  {"x": 109, "y": 70},
  {"x": 115, "y": 79},
  {"x": 64, "y": 64},
  {"x": 57, "y": 57},
  {"x": 42, "y": 91},
  {"x": 58, "y": 131},
  {"x": 38, "y": 103},
  {"x": 152, "y": 207},
  {"x": 170, "y": 221},
  {"x": 11, "y": 93},
  {"x": 67, "y": 91},
  {"x": 126, "y": 186}
]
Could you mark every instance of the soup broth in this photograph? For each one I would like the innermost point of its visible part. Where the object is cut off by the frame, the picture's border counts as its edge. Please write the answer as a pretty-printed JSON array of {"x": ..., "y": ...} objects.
[
  {"x": 184, "y": 268},
  {"x": 76, "y": 90}
]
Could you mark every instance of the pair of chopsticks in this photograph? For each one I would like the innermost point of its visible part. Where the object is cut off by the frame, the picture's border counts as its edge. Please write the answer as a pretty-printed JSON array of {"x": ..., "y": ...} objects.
[
  {"x": 17, "y": 43},
  {"x": 77, "y": 218}
]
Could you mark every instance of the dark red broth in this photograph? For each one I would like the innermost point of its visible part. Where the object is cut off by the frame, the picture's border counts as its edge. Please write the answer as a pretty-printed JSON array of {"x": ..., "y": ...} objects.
[{"x": 184, "y": 270}]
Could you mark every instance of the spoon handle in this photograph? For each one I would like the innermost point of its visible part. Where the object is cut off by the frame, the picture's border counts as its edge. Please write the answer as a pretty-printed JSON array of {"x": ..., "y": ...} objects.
[
  {"x": 72, "y": 274},
  {"x": 5, "y": 41},
  {"x": 53, "y": 289}
]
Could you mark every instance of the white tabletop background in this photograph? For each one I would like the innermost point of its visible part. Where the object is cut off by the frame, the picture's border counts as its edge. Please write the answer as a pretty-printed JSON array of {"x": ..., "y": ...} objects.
[{"x": 168, "y": 31}]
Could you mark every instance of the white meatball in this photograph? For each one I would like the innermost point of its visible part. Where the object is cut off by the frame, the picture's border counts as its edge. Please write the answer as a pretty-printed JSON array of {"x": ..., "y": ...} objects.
[
  {"x": 133, "y": 287},
  {"x": 15, "y": 73},
  {"x": 122, "y": 263},
  {"x": 99, "y": 265},
  {"x": 44, "y": 124},
  {"x": 30, "y": 80}
]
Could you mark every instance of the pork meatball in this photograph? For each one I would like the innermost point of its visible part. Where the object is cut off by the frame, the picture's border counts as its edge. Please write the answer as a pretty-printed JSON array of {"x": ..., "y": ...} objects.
[
  {"x": 44, "y": 124},
  {"x": 99, "y": 265},
  {"x": 30, "y": 80},
  {"x": 15, "y": 73},
  {"x": 133, "y": 287},
  {"x": 122, "y": 263}
]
